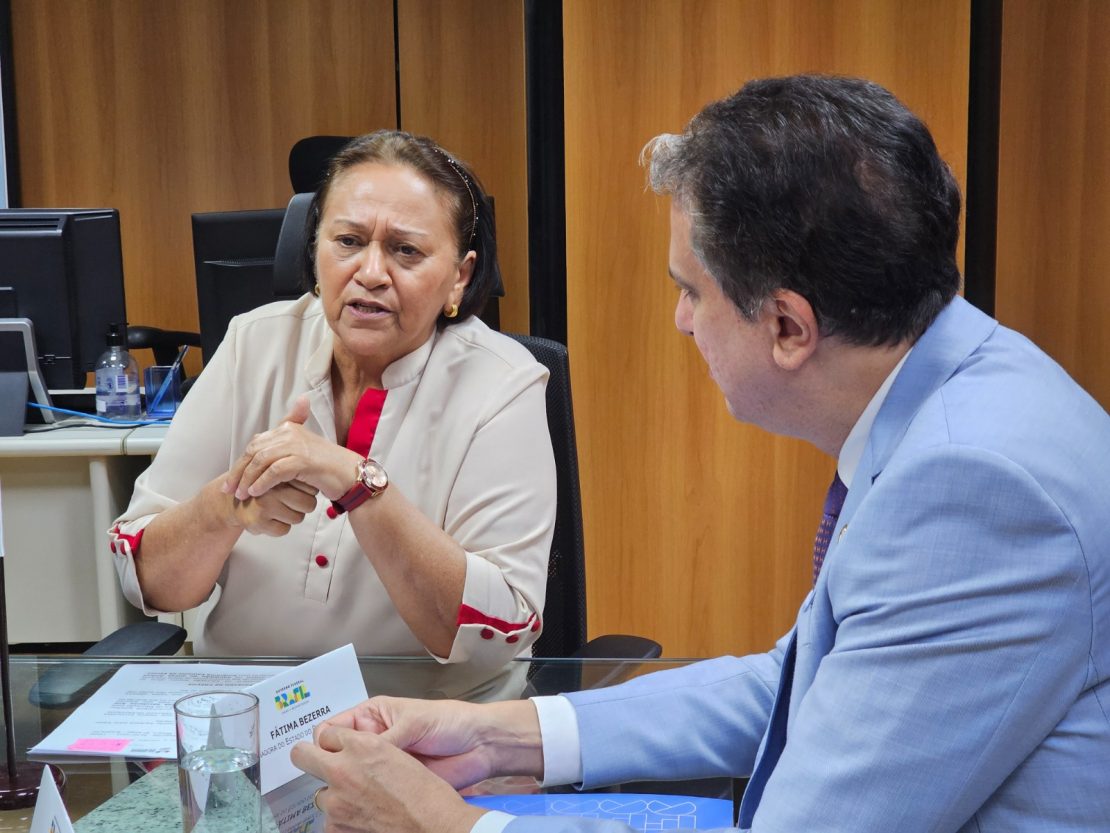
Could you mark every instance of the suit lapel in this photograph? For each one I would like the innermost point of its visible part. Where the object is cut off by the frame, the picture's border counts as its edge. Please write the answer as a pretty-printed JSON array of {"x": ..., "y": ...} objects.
[{"x": 956, "y": 333}]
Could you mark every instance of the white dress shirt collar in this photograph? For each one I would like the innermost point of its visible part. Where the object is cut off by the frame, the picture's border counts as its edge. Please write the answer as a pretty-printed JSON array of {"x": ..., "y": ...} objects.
[{"x": 852, "y": 451}]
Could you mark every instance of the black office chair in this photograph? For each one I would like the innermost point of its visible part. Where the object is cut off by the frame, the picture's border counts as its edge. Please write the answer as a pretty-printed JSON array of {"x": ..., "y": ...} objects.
[
  {"x": 309, "y": 158},
  {"x": 289, "y": 254},
  {"x": 564, "y": 616}
]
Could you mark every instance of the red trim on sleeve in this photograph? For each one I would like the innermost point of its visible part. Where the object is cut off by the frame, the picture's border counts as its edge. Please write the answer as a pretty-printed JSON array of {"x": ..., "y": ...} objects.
[
  {"x": 365, "y": 423},
  {"x": 470, "y": 616},
  {"x": 132, "y": 540}
]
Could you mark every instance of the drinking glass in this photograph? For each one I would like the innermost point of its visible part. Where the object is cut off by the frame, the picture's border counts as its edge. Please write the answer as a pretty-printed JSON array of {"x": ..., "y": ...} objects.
[{"x": 217, "y": 762}]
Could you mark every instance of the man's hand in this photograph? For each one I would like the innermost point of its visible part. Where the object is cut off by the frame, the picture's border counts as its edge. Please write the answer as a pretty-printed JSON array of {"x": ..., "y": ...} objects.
[
  {"x": 289, "y": 453},
  {"x": 462, "y": 743},
  {"x": 373, "y": 786}
]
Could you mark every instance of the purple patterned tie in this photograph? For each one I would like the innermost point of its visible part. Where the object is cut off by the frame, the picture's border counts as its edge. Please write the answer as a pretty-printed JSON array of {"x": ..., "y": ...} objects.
[{"x": 834, "y": 502}]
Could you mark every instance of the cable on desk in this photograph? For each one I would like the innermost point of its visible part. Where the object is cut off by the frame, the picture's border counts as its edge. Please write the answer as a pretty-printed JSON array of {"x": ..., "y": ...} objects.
[
  {"x": 99, "y": 421},
  {"x": 70, "y": 423}
]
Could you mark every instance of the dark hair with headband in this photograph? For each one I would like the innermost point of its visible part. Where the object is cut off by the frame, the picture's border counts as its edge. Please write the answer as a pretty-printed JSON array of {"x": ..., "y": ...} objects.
[{"x": 470, "y": 210}]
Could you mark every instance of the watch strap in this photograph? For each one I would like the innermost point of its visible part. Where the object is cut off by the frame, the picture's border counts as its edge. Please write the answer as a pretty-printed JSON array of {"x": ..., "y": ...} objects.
[
  {"x": 361, "y": 491},
  {"x": 353, "y": 497}
]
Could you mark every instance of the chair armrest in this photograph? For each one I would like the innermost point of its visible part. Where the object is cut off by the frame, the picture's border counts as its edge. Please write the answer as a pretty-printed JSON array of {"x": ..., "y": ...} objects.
[
  {"x": 619, "y": 646},
  {"x": 66, "y": 685},
  {"x": 140, "y": 639},
  {"x": 555, "y": 677},
  {"x": 164, "y": 343}
]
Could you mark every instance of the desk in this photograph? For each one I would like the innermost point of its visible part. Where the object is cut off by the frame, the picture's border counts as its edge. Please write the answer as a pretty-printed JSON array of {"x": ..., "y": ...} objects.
[
  {"x": 61, "y": 490},
  {"x": 92, "y": 782}
]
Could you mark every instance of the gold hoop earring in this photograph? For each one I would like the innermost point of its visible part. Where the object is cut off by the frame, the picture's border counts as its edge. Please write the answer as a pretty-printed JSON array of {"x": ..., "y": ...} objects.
[
  {"x": 451, "y": 311},
  {"x": 316, "y": 289}
]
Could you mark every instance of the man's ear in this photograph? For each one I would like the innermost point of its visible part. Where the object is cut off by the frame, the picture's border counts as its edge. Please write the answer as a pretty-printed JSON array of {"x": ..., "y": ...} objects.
[{"x": 794, "y": 329}]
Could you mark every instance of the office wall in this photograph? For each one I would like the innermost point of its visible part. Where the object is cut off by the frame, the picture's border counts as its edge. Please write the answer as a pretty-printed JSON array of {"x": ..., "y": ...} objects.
[
  {"x": 698, "y": 529},
  {"x": 162, "y": 109},
  {"x": 462, "y": 82},
  {"x": 1053, "y": 281}
]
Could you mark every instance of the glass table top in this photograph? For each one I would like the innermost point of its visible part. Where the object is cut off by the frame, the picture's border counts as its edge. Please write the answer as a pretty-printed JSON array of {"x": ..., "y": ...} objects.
[{"x": 90, "y": 782}]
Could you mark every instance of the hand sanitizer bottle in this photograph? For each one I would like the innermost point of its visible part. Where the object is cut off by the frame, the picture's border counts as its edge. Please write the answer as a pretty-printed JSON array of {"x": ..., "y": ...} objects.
[{"x": 117, "y": 378}]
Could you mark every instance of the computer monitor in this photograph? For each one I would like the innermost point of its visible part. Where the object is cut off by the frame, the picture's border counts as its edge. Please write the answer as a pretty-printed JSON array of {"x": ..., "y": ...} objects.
[
  {"x": 64, "y": 268},
  {"x": 234, "y": 254}
]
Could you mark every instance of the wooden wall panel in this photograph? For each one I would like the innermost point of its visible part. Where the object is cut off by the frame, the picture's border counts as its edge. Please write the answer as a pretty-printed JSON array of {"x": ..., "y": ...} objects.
[
  {"x": 462, "y": 83},
  {"x": 698, "y": 529},
  {"x": 164, "y": 109},
  {"x": 1054, "y": 183}
]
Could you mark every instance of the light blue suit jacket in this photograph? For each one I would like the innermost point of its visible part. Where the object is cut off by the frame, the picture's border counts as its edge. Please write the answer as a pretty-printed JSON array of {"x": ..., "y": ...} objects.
[{"x": 951, "y": 669}]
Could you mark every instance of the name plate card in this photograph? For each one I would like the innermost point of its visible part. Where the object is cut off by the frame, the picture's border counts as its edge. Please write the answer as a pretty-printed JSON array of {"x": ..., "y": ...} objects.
[
  {"x": 50, "y": 813},
  {"x": 291, "y": 703}
]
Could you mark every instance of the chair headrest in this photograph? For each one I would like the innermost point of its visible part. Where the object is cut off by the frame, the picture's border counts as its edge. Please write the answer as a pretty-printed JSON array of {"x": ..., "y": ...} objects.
[
  {"x": 289, "y": 264},
  {"x": 309, "y": 158}
]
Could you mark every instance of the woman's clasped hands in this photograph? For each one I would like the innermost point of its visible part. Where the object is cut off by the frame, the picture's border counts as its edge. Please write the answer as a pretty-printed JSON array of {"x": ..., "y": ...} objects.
[{"x": 275, "y": 481}]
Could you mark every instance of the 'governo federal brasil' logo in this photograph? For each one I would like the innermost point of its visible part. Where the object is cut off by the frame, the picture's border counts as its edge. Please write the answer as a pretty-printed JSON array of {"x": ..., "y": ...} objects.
[{"x": 291, "y": 695}]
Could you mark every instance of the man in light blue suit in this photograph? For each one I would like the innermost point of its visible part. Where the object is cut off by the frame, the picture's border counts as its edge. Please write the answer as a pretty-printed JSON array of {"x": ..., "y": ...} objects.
[{"x": 950, "y": 670}]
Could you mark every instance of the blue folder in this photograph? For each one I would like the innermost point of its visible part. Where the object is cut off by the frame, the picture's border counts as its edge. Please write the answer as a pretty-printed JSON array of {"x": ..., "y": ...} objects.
[{"x": 640, "y": 812}]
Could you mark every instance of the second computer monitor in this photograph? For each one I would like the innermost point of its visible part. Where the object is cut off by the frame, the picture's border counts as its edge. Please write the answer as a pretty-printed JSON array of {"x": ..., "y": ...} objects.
[{"x": 234, "y": 254}]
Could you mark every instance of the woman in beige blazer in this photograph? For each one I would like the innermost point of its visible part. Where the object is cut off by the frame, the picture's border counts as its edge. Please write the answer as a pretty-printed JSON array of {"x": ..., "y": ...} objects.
[{"x": 369, "y": 463}]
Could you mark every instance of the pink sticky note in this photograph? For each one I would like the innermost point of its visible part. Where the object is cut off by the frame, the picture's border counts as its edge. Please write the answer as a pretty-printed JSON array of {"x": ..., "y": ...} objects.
[{"x": 99, "y": 745}]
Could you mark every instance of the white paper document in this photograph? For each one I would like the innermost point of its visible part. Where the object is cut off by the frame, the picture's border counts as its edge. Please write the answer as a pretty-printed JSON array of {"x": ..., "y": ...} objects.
[
  {"x": 50, "y": 813},
  {"x": 132, "y": 714},
  {"x": 291, "y": 703}
]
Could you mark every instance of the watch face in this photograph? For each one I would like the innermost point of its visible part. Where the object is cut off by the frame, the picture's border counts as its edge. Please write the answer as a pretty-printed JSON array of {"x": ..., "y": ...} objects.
[{"x": 374, "y": 476}]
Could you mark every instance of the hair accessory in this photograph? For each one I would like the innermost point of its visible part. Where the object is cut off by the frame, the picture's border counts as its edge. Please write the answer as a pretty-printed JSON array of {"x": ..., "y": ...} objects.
[
  {"x": 469, "y": 190},
  {"x": 451, "y": 311}
]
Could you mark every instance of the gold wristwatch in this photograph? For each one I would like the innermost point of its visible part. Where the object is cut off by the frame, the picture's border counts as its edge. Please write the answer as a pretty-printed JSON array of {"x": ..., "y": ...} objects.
[{"x": 371, "y": 481}]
